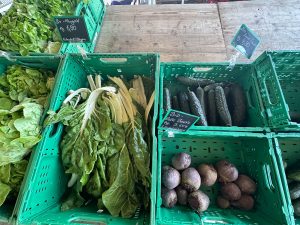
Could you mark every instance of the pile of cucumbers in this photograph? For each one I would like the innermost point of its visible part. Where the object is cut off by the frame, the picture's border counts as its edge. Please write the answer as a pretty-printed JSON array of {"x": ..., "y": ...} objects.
[
  {"x": 293, "y": 177},
  {"x": 215, "y": 103}
]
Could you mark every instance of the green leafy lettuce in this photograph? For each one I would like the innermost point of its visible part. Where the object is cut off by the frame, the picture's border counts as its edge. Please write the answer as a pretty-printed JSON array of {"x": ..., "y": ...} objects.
[
  {"x": 28, "y": 26},
  {"x": 23, "y": 93},
  {"x": 11, "y": 176}
]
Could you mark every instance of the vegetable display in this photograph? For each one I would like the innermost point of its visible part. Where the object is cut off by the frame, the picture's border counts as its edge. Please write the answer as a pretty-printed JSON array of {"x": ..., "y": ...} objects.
[
  {"x": 216, "y": 103},
  {"x": 182, "y": 183},
  {"x": 23, "y": 95},
  {"x": 104, "y": 147},
  {"x": 28, "y": 26}
]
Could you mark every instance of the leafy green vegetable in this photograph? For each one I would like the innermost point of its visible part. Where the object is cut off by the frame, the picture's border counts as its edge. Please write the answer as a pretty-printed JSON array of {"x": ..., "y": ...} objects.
[
  {"x": 23, "y": 93},
  {"x": 28, "y": 25},
  {"x": 11, "y": 176},
  {"x": 103, "y": 149},
  {"x": 25, "y": 82}
]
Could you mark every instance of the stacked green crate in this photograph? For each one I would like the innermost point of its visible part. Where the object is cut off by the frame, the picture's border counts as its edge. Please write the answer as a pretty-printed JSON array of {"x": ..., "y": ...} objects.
[
  {"x": 46, "y": 181},
  {"x": 248, "y": 147}
]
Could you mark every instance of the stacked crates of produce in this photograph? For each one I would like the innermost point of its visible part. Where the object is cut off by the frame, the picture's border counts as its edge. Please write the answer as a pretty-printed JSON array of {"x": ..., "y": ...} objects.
[{"x": 224, "y": 169}]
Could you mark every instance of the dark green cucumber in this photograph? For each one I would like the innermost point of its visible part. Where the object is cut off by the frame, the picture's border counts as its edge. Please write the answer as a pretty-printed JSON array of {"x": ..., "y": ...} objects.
[
  {"x": 183, "y": 102},
  {"x": 196, "y": 108},
  {"x": 212, "y": 110},
  {"x": 238, "y": 104},
  {"x": 222, "y": 108},
  {"x": 191, "y": 81},
  {"x": 167, "y": 100},
  {"x": 201, "y": 96},
  {"x": 175, "y": 103},
  {"x": 212, "y": 86}
]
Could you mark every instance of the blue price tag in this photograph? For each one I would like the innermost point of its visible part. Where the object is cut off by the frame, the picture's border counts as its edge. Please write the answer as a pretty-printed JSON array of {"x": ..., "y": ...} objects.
[{"x": 245, "y": 41}]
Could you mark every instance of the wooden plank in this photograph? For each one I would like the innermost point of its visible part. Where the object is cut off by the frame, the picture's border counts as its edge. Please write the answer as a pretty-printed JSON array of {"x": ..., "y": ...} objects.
[
  {"x": 276, "y": 23},
  {"x": 177, "y": 32}
]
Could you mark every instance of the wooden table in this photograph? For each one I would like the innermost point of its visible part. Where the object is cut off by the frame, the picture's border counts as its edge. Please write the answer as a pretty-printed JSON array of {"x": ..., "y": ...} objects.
[
  {"x": 200, "y": 32},
  {"x": 178, "y": 32}
]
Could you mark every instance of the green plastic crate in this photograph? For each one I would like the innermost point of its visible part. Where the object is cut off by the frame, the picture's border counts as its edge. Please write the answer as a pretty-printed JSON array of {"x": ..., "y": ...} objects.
[
  {"x": 287, "y": 146},
  {"x": 279, "y": 81},
  {"x": 43, "y": 62},
  {"x": 46, "y": 180},
  {"x": 93, "y": 12},
  {"x": 253, "y": 154},
  {"x": 244, "y": 74}
]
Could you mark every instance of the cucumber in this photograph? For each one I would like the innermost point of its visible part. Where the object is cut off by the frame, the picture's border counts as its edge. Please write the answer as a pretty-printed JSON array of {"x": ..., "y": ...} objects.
[
  {"x": 191, "y": 81},
  {"x": 183, "y": 102},
  {"x": 212, "y": 110},
  {"x": 222, "y": 108},
  {"x": 167, "y": 100},
  {"x": 175, "y": 103},
  {"x": 238, "y": 103},
  {"x": 295, "y": 192},
  {"x": 296, "y": 206},
  {"x": 227, "y": 96},
  {"x": 227, "y": 92},
  {"x": 212, "y": 86},
  {"x": 196, "y": 108},
  {"x": 201, "y": 96}
]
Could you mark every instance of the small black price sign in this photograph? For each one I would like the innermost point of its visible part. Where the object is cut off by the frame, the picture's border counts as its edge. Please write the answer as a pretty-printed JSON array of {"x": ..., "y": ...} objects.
[
  {"x": 245, "y": 41},
  {"x": 72, "y": 29},
  {"x": 175, "y": 120}
]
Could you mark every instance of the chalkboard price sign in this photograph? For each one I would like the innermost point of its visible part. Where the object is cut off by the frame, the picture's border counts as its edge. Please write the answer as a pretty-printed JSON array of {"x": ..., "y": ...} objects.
[
  {"x": 175, "y": 120},
  {"x": 72, "y": 29},
  {"x": 245, "y": 41}
]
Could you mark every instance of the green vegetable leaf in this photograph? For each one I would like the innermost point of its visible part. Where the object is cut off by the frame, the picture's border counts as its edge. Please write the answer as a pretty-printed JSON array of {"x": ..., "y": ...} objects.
[
  {"x": 120, "y": 198},
  {"x": 4, "y": 191}
]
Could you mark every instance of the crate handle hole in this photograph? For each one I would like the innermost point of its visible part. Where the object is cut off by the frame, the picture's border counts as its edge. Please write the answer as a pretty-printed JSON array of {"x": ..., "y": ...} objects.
[
  {"x": 268, "y": 177},
  {"x": 56, "y": 130},
  {"x": 202, "y": 69},
  {"x": 271, "y": 93},
  {"x": 113, "y": 60}
]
